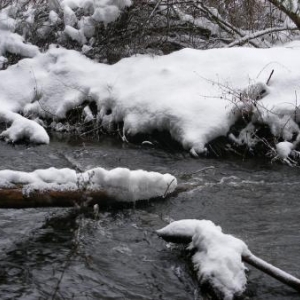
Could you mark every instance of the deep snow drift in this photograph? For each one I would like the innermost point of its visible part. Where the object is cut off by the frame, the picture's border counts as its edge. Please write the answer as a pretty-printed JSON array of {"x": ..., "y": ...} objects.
[
  {"x": 120, "y": 183},
  {"x": 195, "y": 95},
  {"x": 218, "y": 256}
]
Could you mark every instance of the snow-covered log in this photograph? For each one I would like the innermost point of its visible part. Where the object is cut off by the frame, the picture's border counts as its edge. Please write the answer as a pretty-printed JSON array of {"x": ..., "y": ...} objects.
[
  {"x": 65, "y": 187},
  {"x": 219, "y": 257}
]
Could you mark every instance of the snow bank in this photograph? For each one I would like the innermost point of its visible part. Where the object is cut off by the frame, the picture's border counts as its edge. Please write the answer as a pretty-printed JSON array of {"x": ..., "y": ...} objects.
[
  {"x": 218, "y": 257},
  {"x": 120, "y": 183},
  {"x": 195, "y": 95},
  {"x": 189, "y": 93}
]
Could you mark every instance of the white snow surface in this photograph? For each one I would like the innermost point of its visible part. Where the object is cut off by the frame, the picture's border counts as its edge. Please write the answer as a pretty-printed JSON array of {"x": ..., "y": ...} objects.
[
  {"x": 14, "y": 43},
  {"x": 183, "y": 228},
  {"x": 218, "y": 258},
  {"x": 22, "y": 129},
  {"x": 120, "y": 183},
  {"x": 188, "y": 93}
]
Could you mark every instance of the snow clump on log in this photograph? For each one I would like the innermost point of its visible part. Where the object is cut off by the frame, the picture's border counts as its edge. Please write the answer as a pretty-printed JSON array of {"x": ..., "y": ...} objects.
[
  {"x": 218, "y": 256},
  {"x": 121, "y": 183}
]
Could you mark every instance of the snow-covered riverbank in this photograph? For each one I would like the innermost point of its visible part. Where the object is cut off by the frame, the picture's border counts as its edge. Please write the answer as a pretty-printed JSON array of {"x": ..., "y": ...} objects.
[{"x": 195, "y": 95}]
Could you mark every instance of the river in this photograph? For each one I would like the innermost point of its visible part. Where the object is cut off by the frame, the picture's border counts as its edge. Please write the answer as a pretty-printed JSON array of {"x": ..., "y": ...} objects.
[{"x": 59, "y": 253}]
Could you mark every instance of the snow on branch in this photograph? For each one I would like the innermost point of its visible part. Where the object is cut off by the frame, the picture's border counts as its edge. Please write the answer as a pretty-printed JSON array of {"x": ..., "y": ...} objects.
[
  {"x": 214, "y": 15},
  {"x": 254, "y": 35},
  {"x": 200, "y": 22}
]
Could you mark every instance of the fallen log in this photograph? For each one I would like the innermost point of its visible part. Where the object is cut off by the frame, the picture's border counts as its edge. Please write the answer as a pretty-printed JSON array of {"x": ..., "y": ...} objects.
[
  {"x": 16, "y": 198},
  {"x": 65, "y": 187}
]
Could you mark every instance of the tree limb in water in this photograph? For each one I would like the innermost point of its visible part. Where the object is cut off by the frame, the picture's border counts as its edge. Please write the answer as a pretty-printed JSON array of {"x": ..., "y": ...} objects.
[
  {"x": 249, "y": 258},
  {"x": 273, "y": 271}
]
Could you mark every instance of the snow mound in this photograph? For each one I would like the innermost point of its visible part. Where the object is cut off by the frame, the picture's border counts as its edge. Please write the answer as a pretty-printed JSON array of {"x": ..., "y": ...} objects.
[
  {"x": 11, "y": 42},
  {"x": 14, "y": 43},
  {"x": 218, "y": 260},
  {"x": 22, "y": 129},
  {"x": 284, "y": 149},
  {"x": 120, "y": 183},
  {"x": 218, "y": 257}
]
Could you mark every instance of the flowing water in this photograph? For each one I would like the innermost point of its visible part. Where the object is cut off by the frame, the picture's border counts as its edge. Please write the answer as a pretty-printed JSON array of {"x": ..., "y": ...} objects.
[{"x": 59, "y": 253}]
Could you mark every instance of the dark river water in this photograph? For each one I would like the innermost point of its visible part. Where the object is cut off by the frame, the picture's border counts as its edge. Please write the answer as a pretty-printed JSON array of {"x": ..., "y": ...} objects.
[{"x": 59, "y": 253}]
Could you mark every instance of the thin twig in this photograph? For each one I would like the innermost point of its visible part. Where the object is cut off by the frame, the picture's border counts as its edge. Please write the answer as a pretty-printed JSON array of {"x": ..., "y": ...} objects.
[
  {"x": 168, "y": 187},
  {"x": 267, "y": 83},
  {"x": 202, "y": 170}
]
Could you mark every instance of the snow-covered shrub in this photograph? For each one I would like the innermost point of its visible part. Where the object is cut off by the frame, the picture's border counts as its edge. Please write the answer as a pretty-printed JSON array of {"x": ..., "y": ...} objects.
[{"x": 109, "y": 30}]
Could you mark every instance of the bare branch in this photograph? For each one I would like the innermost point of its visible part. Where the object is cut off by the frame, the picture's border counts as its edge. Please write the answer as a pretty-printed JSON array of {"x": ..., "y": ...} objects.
[{"x": 260, "y": 33}]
